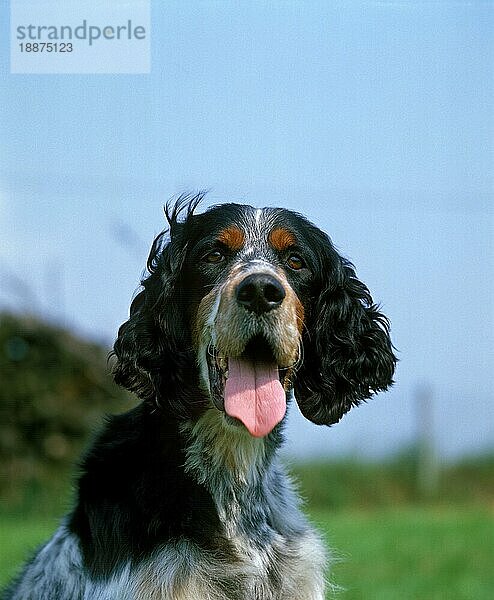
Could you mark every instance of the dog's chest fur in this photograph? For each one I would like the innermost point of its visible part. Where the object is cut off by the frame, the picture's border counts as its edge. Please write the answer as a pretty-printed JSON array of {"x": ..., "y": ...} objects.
[
  {"x": 267, "y": 551},
  {"x": 281, "y": 571}
]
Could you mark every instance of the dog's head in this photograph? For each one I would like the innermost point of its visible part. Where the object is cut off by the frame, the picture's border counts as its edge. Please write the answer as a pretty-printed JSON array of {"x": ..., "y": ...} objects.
[{"x": 240, "y": 306}]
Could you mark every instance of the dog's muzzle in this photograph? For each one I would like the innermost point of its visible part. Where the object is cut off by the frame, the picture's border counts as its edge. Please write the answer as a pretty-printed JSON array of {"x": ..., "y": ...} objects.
[{"x": 253, "y": 344}]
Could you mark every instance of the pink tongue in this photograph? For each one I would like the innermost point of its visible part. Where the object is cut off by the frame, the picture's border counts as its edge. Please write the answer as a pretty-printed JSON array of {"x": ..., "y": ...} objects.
[{"x": 254, "y": 394}]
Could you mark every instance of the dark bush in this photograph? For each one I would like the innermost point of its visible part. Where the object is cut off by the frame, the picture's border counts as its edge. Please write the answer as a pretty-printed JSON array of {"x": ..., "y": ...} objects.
[{"x": 54, "y": 389}]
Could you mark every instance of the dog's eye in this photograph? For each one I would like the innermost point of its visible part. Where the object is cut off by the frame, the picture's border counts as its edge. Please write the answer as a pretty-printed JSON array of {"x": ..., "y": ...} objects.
[
  {"x": 295, "y": 262},
  {"x": 214, "y": 257}
]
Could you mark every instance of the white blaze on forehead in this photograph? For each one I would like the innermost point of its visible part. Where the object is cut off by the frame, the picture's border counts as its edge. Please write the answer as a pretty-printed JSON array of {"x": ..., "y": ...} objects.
[
  {"x": 258, "y": 216},
  {"x": 255, "y": 232}
]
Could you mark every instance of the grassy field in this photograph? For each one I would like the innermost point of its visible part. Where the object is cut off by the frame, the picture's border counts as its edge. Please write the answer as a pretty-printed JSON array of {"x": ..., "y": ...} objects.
[{"x": 419, "y": 553}]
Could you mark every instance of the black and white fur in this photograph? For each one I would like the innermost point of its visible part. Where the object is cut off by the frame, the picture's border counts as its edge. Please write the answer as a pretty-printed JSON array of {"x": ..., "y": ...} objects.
[{"x": 177, "y": 500}]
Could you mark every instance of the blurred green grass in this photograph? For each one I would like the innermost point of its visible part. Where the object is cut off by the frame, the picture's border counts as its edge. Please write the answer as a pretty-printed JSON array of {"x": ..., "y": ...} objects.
[
  {"x": 19, "y": 537},
  {"x": 413, "y": 553}
]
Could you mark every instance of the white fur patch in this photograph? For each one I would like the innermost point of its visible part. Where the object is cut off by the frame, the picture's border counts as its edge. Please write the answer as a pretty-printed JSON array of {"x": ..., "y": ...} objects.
[{"x": 56, "y": 571}]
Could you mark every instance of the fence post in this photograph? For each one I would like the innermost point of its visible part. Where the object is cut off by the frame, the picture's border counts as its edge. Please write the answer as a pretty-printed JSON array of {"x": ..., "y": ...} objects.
[{"x": 427, "y": 464}]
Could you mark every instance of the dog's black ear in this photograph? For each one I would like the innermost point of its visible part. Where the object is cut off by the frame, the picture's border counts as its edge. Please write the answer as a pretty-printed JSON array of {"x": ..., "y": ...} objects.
[
  {"x": 153, "y": 345},
  {"x": 147, "y": 343},
  {"x": 348, "y": 355}
]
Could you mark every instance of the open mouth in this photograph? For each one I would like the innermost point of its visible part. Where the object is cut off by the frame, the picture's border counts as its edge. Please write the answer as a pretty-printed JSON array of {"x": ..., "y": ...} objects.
[{"x": 249, "y": 387}]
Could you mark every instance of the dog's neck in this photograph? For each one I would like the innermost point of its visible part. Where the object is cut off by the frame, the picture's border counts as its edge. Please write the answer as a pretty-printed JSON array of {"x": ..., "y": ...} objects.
[
  {"x": 225, "y": 458},
  {"x": 232, "y": 465},
  {"x": 218, "y": 452}
]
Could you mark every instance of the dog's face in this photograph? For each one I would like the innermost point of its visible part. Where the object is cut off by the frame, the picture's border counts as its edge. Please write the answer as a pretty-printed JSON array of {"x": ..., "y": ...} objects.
[
  {"x": 244, "y": 304},
  {"x": 250, "y": 281}
]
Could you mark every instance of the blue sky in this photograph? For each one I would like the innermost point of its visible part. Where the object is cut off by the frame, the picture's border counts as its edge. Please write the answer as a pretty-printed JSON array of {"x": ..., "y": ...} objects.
[{"x": 373, "y": 118}]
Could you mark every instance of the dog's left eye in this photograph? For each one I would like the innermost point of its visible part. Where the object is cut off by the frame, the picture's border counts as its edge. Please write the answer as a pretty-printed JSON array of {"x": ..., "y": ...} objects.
[
  {"x": 295, "y": 262},
  {"x": 214, "y": 257}
]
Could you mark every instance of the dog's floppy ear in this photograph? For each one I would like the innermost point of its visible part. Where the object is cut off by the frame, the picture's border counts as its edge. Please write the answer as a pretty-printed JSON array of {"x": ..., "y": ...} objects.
[
  {"x": 152, "y": 346},
  {"x": 348, "y": 355}
]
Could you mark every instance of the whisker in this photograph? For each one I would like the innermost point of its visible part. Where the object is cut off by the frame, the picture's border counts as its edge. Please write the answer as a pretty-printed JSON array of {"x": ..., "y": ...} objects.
[
  {"x": 297, "y": 362},
  {"x": 213, "y": 352},
  {"x": 304, "y": 325}
]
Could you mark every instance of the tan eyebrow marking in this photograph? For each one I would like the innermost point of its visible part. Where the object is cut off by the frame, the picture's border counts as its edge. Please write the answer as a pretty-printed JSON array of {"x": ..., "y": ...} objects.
[
  {"x": 232, "y": 237},
  {"x": 281, "y": 239}
]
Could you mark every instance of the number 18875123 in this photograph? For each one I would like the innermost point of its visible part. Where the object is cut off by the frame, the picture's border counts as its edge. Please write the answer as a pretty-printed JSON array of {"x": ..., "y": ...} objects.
[{"x": 46, "y": 47}]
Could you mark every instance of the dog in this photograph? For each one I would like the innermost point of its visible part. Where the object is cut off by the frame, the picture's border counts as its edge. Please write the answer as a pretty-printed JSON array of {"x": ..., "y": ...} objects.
[{"x": 183, "y": 497}]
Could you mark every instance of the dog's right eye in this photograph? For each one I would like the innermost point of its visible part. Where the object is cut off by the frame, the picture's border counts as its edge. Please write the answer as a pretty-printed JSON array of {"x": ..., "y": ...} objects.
[{"x": 214, "y": 257}]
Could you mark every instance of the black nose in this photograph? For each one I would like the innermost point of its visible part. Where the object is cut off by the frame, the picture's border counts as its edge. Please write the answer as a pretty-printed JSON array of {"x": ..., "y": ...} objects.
[{"x": 260, "y": 293}]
